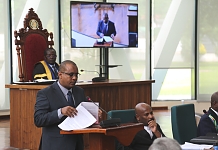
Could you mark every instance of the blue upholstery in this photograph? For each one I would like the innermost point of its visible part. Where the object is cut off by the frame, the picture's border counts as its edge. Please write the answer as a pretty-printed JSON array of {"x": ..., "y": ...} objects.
[
  {"x": 126, "y": 115},
  {"x": 183, "y": 121}
]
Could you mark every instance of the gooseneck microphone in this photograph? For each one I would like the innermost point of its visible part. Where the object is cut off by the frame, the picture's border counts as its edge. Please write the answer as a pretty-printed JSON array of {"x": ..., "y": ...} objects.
[
  {"x": 112, "y": 122},
  {"x": 89, "y": 71},
  {"x": 89, "y": 99},
  {"x": 95, "y": 79}
]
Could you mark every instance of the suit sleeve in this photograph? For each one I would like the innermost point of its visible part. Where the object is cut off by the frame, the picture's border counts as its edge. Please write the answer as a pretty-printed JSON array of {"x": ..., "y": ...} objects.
[
  {"x": 98, "y": 32},
  {"x": 114, "y": 29},
  {"x": 42, "y": 116},
  {"x": 205, "y": 126}
]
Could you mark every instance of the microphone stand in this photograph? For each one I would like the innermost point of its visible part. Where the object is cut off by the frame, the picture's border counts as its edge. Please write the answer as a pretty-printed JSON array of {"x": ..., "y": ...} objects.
[
  {"x": 109, "y": 122},
  {"x": 96, "y": 79},
  {"x": 90, "y": 71}
]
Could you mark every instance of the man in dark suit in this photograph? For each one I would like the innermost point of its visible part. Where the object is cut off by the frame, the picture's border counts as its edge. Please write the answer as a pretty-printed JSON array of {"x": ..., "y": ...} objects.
[
  {"x": 47, "y": 68},
  {"x": 208, "y": 122},
  {"x": 144, "y": 138},
  {"x": 106, "y": 27},
  {"x": 54, "y": 104}
]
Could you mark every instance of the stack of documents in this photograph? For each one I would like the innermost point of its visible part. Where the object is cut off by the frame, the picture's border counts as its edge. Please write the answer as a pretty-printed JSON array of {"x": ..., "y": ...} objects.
[
  {"x": 108, "y": 39},
  {"x": 86, "y": 116},
  {"x": 191, "y": 146},
  {"x": 105, "y": 38}
]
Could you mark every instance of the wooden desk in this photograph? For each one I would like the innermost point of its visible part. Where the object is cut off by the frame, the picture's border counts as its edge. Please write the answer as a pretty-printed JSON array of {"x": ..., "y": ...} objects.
[
  {"x": 113, "y": 94},
  {"x": 106, "y": 44},
  {"x": 104, "y": 139}
]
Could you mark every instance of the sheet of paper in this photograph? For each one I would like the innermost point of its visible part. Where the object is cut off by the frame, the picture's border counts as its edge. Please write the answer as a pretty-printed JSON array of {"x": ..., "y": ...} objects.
[
  {"x": 191, "y": 146},
  {"x": 108, "y": 39},
  {"x": 100, "y": 40},
  {"x": 44, "y": 80},
  {"x": 82, "y": 120},
  {"x": 92, "y": 108}
]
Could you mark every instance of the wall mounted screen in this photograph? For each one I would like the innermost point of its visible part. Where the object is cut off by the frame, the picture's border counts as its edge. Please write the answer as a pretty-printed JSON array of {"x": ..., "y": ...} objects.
[{"x": 100, "y": 24}]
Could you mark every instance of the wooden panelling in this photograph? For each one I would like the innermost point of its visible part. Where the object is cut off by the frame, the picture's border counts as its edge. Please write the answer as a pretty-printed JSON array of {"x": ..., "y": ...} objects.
[
  {"x": 103, "y": 139},
  {"x": 113, "y": 94},
  {"x": 23, "y": 132}
]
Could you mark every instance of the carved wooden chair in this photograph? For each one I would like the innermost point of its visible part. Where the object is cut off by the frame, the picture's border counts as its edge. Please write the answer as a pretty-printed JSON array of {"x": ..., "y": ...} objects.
[{"x": 31, "y": 41}]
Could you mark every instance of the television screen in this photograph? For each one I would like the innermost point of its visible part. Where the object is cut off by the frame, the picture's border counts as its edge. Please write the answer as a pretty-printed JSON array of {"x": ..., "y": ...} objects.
[{"x": 101, "y": 24}]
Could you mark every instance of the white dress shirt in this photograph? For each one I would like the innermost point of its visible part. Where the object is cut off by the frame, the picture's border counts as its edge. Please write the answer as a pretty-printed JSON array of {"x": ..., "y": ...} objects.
[{"x": 149, "y": 131}]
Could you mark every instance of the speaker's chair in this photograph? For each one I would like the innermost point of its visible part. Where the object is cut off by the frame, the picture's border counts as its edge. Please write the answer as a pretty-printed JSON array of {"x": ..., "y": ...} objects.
[{"x": 31, "y": 41}]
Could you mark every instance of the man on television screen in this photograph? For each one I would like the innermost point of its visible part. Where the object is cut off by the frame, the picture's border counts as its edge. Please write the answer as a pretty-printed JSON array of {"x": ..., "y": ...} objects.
[{"x": 106, "y": 27}]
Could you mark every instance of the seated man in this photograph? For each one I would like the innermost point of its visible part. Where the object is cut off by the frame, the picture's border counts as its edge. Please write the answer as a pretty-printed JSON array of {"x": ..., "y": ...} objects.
[
  {"x": 144, "y": 138},
  {"x": 208, "y": 122},
  {"x": 48, "y": 68}
]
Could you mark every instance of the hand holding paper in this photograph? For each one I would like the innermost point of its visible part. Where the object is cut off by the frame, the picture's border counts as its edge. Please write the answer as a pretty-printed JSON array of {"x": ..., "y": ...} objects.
[
  {"x": 83, "y": 119},
  {"x": 86, "y": 116}
]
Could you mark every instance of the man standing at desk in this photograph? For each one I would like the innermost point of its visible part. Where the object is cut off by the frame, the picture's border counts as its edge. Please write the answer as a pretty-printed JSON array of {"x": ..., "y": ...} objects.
[
  {"x": 208, "y": 122},
  {"x": 106, "y": 27},
  {"x": 54, "y": 104}
]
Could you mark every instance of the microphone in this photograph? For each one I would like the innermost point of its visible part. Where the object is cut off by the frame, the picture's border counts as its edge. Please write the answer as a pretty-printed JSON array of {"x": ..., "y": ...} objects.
[
  {"x": 89, "y": 99},
  {"x": 90, "y": 71},
  {"x": 204, "y": 111},
  {"x": 95, "y": 79},
  {"x": 109, "y": 122}
]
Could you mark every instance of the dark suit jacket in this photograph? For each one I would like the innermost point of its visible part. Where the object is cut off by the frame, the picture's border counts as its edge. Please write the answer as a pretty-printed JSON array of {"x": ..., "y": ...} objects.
[
  {"x": 206, "y": 125},
  {"x": 111, "y": 28},
  {"x": 39, "y": 70},
  {"x": 141, "y": 141},
  {"x": 48, "y": 101}
]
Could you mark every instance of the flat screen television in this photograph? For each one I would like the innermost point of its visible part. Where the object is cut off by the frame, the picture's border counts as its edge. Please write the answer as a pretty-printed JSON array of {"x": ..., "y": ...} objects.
[{"x": 102, "y": 24}]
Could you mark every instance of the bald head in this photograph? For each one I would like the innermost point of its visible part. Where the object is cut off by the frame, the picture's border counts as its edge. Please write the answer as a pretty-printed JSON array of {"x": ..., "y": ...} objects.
[
  {"x": 64, "y": 64},
  {"x": 141, "y": 107},
  {"x": 214, "y": 101},
  {"x": 144, "y": 113}
]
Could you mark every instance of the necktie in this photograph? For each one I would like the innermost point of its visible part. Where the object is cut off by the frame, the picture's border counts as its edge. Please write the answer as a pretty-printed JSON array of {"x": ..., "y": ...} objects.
[
  {"x": 70, "y": 99},
  {"x": 55, "y": 71},
  {"x": 105, "y": 29}
]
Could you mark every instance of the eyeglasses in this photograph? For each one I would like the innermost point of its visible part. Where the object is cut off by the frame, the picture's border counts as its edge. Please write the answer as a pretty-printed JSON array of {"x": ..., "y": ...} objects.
[
  {"x": 51, "y": 55},
  {"x": 71, "y": 74}
]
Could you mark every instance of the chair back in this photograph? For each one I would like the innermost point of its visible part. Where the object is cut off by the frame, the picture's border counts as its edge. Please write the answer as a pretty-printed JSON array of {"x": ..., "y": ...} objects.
[
  {"x": 125, "y": 115},
  {"x": 183, "y": 121},
  {"x": 31, "y": 42}
]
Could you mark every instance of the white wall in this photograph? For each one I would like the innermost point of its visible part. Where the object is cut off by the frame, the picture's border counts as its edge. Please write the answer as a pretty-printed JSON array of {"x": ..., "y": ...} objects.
[{"x": 199, "y": 106}]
